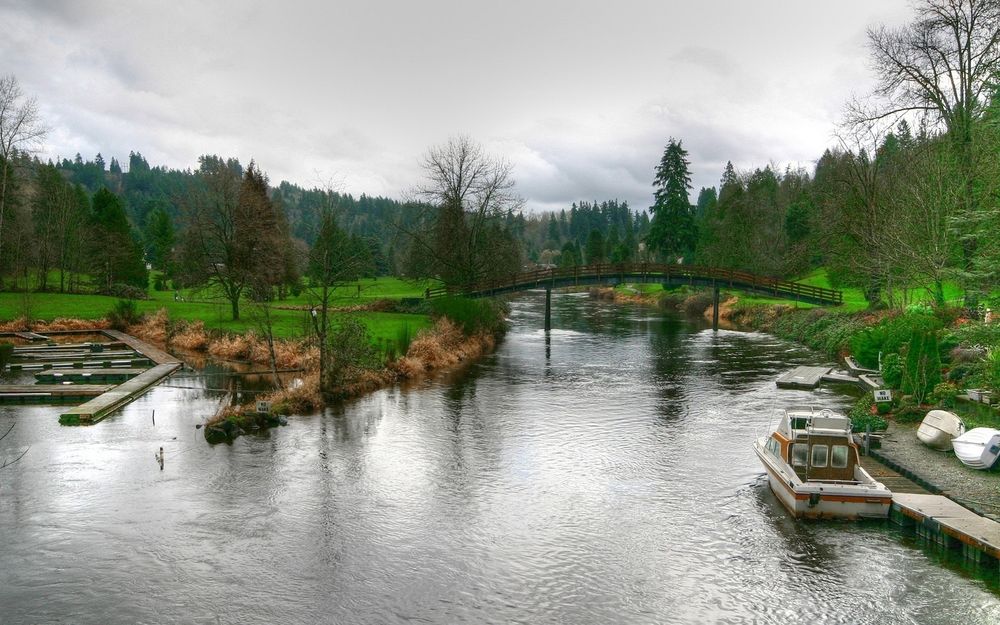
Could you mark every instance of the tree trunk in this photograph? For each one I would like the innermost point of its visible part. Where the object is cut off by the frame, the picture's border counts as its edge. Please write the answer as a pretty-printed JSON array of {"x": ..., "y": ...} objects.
[{"x": 235, "y": 302}]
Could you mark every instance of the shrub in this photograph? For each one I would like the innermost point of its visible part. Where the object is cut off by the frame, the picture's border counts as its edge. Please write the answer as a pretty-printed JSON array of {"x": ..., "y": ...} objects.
[
  {"x": 922, "y": 371},
  {"x": 862, "y": 415},
  {"x": 890, "y": 335},
  {"x": 472, "y": 315},
  {"x": 909, "y": 414},
  {"x": 350, "y": 352},
  {"x": 892, "y": 370},
  {"x": 944, "y": 395},
  {"x": 990, "y": 371},
  {"x": 961, "y": 373},
  {"x": 127, "y": 291},
  {"x": 123, "y": 314}
]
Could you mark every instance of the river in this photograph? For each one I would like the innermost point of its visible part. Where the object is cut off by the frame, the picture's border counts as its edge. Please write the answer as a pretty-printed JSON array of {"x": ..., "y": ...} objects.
[{"x": 598, "y": 474}]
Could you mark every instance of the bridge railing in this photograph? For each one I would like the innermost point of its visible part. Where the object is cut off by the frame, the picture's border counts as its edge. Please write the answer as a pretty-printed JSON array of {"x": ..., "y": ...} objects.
[{"x": 641, "y": 272}]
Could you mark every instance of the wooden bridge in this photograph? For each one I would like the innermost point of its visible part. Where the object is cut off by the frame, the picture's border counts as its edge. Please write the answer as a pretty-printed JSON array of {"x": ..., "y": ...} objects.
[
  {"x": 668, "y": 275},
  {"x": 635, "y": 273}
]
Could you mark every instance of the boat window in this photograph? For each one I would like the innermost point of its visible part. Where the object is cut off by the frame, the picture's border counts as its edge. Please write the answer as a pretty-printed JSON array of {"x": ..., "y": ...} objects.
[
  {"x": 800, "y": 423},
  {"x": 838, "y": 456},
  {"x": 819, "y": 455},
  {"x": 800, "y": 455}
]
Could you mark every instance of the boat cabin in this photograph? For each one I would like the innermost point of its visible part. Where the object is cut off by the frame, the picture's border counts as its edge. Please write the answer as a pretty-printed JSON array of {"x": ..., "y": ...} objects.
[{"x": 817, "y": 445}]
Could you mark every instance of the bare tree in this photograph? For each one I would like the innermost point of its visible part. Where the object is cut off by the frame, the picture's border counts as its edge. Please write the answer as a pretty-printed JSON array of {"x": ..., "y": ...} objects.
[
  {"x": 470, "y": 193},
  {"x": 20, "y": 130},
  {"x": 941, "y": 67}
]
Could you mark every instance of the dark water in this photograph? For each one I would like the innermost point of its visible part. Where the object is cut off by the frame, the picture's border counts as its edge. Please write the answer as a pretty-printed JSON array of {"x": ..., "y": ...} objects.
[{"x": 604, "y": 475}]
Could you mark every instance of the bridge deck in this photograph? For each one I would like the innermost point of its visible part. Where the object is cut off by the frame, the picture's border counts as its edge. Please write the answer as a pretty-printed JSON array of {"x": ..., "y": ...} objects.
[{"x": 645, "y": 273}]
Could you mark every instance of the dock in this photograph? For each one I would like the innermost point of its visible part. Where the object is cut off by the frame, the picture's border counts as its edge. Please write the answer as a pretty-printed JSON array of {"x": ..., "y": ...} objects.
[
  {"x": 77, "y": 376},
  {"x": 803, "y": 377},
  {"x": 72, "y": 372},
  {"x": 944, "y": 523},
  {"x": 80, "y": 364},
  {"x": 808, "y": 378},
  {"x": 116, "y": 397},
  {"x": 50, "y": 393}
]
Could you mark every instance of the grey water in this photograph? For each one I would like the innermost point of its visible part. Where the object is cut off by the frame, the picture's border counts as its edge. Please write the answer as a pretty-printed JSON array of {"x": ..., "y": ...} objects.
[{"x": 599, "y": 473}]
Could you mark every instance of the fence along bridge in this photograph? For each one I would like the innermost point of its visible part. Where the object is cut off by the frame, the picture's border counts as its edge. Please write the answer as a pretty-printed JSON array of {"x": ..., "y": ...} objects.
[{"x": 638, "y": 273}]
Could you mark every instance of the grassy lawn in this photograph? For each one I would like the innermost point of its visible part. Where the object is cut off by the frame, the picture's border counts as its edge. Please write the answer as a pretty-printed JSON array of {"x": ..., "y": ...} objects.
[{"x": 216, "y": 313}]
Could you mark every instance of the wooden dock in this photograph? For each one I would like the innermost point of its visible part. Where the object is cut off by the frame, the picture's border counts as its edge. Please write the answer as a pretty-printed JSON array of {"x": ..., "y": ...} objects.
[
  {"x": 945, "y": 523},
  {"x": 50, "y": 393},
  {"x": 803, "y": 377},
  {"x": 123, "y": 357},
  {"x": 56, "y": 376},
  {"x": 80, "y": 364},
  {"x": 116, "y": 397}
]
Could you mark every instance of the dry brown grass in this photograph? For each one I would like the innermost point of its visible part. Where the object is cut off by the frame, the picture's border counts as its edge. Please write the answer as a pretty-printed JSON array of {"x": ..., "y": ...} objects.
[
  {"x": 56, "y": 325},
  {"x": 192, "y": 337},
  {"x": 232, "y": 346},
  {"x": 152, "y": 328},
  {"x": 444, "y": 345}
]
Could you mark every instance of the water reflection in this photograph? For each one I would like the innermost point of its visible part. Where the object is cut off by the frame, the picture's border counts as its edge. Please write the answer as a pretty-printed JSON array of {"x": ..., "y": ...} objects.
[{"x": 600, "y": 472}]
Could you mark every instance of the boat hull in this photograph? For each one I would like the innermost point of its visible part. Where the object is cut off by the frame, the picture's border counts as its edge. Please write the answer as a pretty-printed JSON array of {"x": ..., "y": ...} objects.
[
  {"x": 939, "y": 428},
  {"x": 978, "y": 448},
  {"x": 817, "y": 500}
]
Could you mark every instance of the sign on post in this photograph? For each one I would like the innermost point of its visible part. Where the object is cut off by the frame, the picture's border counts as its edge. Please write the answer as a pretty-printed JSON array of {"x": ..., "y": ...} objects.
[
  {"x": 883, "y": 394},
  {"x": 263, "y": 407}
]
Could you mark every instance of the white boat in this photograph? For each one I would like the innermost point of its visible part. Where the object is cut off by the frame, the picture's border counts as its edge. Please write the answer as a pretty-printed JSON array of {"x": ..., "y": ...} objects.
[
  {"x": 978, "y": 448},
  {"x": 938, "y": 429},
  {"x": 814, "y": 469}
]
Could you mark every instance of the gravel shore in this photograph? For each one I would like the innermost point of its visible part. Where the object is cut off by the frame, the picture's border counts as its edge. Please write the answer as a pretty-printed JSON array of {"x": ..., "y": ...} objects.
[{"x": 978, "y": 489}]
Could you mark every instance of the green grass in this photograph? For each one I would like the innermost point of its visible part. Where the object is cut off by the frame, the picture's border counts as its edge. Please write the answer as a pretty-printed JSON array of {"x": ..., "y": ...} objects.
[{"x": 216, "y": 314}]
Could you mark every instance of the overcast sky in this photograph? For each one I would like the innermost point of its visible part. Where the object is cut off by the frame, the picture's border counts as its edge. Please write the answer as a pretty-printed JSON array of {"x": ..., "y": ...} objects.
[{"x": 580, "y": 95}]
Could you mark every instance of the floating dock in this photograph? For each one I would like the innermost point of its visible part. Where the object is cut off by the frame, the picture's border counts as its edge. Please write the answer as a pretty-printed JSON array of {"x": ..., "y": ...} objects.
[
  {"x": 77, "y": 376},
  {"x": 803, "y": 377},
  {"x": 944, "y": 523},
  {"x": 50, "y": 393},
  {"x": 808, "y": 378},
  {"x": 116, "y": 397},
  {"x": 123, "y": 359},
  {"x": 80, "y": 364}
]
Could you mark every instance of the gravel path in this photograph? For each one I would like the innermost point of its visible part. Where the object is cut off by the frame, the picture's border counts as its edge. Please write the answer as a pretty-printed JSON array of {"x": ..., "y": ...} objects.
[{"x": 981, "y": 489}]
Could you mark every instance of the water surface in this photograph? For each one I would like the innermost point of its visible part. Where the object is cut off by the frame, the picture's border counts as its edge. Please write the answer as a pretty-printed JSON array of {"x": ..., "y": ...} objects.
[{"x": 601, "y": 473}]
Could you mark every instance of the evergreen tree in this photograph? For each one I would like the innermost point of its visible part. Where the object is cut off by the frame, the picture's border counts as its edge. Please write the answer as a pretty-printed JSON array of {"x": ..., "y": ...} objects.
[{"x": 672, "y": 231}]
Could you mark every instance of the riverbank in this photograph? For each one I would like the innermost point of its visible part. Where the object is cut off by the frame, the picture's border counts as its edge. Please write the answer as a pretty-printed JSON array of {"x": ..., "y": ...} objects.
[
  {"x": 833, "y": 333},
  {"x": 442, "y": 347}
]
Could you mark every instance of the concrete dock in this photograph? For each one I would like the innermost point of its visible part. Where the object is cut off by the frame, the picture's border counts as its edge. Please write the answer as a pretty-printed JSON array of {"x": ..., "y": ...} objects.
[{"x": 944, "y": 523}]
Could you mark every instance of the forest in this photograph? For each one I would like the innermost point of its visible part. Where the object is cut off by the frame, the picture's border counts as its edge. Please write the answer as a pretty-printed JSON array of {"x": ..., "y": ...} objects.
[{"x": 907, "y": 198}]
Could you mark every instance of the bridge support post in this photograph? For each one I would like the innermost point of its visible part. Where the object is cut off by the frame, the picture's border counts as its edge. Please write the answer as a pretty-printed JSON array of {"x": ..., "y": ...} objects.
[
  {"x": 548, "y": 309},
  {"x": 715, "y": 308}
]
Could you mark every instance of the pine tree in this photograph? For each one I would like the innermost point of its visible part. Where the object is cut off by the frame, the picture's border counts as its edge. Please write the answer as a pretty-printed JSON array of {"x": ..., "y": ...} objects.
[{"x": 672, "y": 231}]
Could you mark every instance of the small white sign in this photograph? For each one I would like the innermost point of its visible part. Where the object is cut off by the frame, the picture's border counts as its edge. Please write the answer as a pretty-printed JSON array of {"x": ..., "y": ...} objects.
[
  {"x": 264, "y": 407},
  {"x": 883, "y": 395}
]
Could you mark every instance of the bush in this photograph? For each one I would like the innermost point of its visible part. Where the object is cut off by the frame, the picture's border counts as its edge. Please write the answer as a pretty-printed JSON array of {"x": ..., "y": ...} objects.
[
  {"x": 892, "y": 370},
  {"x": 990, "y": 371},
  {"x": 890, "y": 335},
  {"x": 944, "y": 395},
  {"x": 125, "y": 313},
  {"x": 127, "y": 291},
  {"x": 472, "y": 315},
  {"x": 961, "y": 373},
  {"x": 862, "y": 415},
  {"x": 922, "y": 371},
  {"x": 909, "y": 414},
  {"x": 350, "y": 351}
]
